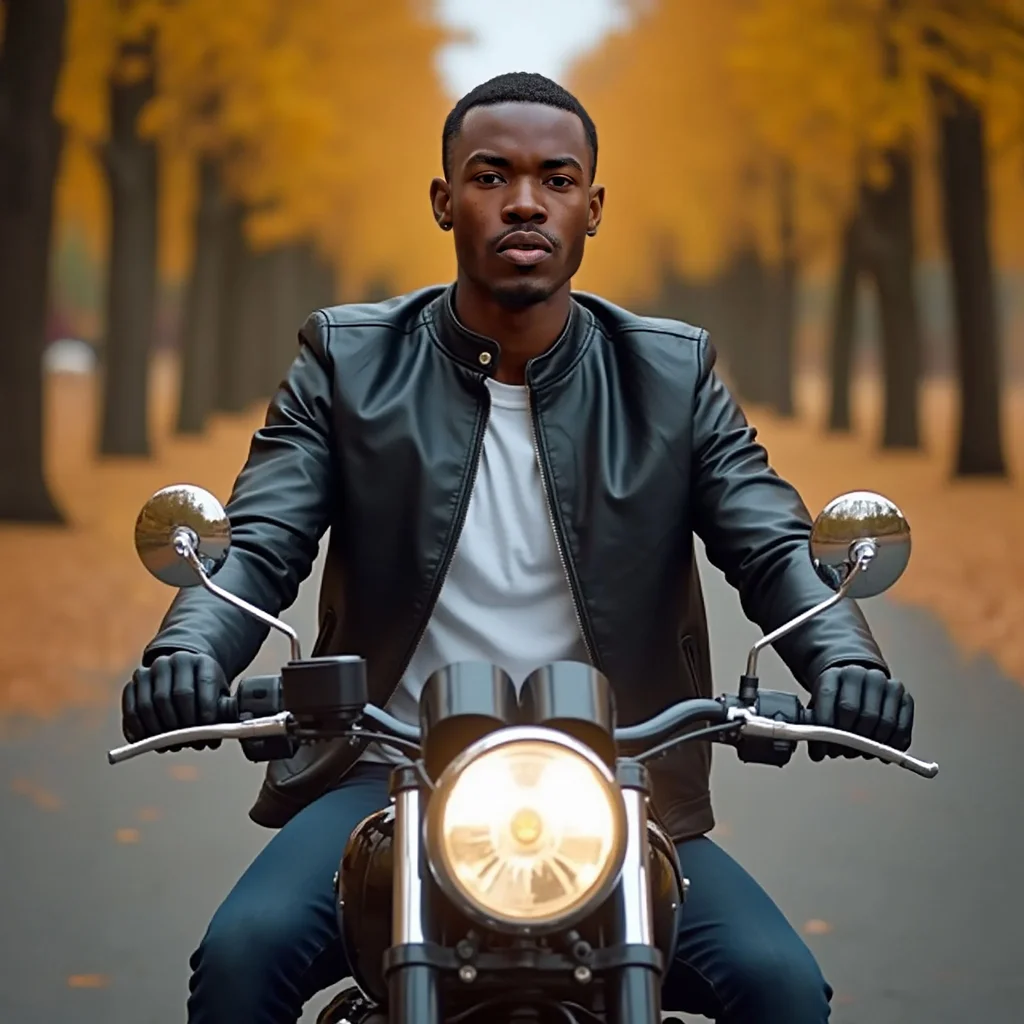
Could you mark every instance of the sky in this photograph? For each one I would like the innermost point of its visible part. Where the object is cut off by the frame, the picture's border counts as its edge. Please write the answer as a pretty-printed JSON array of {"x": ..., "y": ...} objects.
[{"x": 522, "y": 35}]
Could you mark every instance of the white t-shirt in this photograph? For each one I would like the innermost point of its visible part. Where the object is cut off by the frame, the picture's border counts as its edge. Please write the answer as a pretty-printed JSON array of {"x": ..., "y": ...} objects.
[{"x": 506, "y": 599}]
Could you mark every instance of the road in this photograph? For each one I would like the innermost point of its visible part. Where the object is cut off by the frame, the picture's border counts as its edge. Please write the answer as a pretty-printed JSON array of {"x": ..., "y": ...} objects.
[{"x": 908, "y": 887}]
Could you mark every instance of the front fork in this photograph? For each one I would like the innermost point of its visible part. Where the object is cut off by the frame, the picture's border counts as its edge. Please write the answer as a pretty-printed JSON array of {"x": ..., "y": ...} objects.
[
  {"x": 633, "y": 993},
  {"x": 413, "y": 989}
]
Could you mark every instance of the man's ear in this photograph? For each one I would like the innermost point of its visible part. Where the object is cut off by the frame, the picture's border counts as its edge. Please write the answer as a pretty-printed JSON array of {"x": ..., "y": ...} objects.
[
  {"x": 441, "y": 203},
  {"x": 596, "y": 209}
]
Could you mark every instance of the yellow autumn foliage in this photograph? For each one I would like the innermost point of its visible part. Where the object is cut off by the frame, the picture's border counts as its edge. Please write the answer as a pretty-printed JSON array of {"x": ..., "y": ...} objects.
[
  {"x": 323, "y": 115},
  {"x": 696, "y": 103},
  {"x": 827, "y": 82},
  {"x": 676, "y": 149}
]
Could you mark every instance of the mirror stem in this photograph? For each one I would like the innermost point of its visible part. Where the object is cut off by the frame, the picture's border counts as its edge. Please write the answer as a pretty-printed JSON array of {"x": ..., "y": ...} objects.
[
  {"x": 861, "y": 554},
  {"x": 185, "y": 547}
]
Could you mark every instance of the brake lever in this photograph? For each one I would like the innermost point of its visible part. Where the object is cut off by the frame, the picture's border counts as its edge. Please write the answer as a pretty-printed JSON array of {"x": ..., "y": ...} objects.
[
  {"x": 254, "y": 729},
  {"x": 768, "y": 728}
]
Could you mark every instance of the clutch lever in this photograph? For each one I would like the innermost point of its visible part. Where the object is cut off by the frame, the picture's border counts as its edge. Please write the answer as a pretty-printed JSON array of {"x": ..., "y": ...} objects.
[{"x": 770, "y": 729}]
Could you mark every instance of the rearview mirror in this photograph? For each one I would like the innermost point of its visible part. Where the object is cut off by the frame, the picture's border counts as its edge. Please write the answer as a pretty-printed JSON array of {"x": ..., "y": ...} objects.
[
  {"x": 864, "y": 527},
  {"x": 176, "y": 513}
]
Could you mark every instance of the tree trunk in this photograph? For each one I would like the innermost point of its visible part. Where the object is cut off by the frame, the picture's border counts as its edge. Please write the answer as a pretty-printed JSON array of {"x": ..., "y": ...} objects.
[
  {"x": 317, "y": 279},
  {"x": 131, "y": 164},
  {"x": 888, "y": 246},
  {"x": 30, "y": 141},
  {"x": 744, "y": 302},
  {"x": 844, "y": 325},
  {"x": 289, "y": 314},
  {"x": 963, "y": 168},
  {"x": 258, "y": 313},
  {"x": 202, "y": 305},
  {"x": 782, "y": 345},
  {"x": 235, "y": 357}
]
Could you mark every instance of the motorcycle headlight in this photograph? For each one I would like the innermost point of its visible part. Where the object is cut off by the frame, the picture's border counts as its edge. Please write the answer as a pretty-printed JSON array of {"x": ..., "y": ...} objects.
[{"x": 526, "y": 830}]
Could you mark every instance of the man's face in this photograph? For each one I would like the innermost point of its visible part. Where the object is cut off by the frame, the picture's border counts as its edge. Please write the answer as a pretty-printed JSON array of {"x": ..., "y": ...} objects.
[{"x": 519, "y": 200}]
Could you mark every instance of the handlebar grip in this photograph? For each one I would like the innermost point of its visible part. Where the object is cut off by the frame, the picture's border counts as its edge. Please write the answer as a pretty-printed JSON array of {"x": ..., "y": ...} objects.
[{"x": 227, "y": 709}]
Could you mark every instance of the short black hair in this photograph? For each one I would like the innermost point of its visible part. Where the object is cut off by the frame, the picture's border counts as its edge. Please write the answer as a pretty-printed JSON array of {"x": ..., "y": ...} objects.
[{"x": 516, "y": 87}]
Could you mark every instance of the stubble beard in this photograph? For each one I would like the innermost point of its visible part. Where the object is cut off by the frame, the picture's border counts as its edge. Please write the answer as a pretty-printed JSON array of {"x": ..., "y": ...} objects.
[{"x": 516, "y": 296}]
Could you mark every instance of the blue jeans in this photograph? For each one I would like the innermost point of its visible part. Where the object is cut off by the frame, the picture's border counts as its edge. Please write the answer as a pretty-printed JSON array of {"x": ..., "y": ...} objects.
[{"x": 274, "y": 943}]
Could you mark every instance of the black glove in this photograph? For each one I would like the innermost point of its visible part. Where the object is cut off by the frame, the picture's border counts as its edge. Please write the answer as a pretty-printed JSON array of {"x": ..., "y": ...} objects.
[
  {"x": 861, "y": 700},
  {"x": 177, "y": 691}
]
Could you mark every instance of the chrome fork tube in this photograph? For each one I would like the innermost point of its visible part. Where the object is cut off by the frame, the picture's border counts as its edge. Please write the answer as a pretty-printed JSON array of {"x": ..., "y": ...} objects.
[
  {"x": 636, "y": 913},
  {"x": 634, "y": 991},
  {"x": 413, "y": 991},
  {"x": 407, "y": 925}
]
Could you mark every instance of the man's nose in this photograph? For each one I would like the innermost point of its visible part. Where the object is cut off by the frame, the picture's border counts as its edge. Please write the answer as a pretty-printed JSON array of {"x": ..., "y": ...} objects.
[{"x": 524, "y": 206}]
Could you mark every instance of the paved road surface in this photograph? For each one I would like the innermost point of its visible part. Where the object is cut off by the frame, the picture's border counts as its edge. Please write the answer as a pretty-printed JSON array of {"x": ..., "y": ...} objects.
[{"x": 916, "y": 881}]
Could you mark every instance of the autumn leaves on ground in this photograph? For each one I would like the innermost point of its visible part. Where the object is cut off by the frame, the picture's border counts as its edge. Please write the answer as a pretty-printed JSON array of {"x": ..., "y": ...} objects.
[{"x": 83, "y": 606}]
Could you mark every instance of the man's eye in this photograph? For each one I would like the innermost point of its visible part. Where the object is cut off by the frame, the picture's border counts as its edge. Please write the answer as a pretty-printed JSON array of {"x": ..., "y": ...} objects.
[
  {"x": 561, "y": 181},
  {"x": 493, "y": 179}
]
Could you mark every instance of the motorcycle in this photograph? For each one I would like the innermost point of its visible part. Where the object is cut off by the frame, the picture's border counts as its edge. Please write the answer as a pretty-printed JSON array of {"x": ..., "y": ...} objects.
[{"x": 517, "y": 874}]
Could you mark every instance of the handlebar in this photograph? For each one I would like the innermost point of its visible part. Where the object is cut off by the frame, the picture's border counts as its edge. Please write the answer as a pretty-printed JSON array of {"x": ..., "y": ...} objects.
[
  {"x": 770, "y": 729},
  {"x": 253, "y": 729},
  {"x": 720, "y": 714}
]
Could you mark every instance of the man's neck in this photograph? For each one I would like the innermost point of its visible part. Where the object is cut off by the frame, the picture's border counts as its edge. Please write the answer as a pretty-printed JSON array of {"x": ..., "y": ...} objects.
[{"x": 522, "y": 334}]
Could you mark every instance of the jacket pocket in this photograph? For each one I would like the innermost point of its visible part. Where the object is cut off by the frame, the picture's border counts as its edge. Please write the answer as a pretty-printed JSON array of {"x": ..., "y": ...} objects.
[
  {"x": 323, "y": 638},
  {"x": 688, "y": 655}
]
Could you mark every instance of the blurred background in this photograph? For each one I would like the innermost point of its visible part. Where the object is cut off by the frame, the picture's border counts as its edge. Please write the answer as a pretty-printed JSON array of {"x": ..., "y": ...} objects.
[{"x": 834, "y": 189}]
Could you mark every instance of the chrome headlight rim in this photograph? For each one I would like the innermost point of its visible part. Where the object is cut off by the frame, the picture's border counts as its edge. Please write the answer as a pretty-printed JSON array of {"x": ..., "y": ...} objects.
[{"x": 450, "y": 887}]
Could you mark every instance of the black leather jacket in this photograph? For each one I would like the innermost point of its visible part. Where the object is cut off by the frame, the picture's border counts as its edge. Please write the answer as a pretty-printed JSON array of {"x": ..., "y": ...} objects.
[{"x": 376, "y": 433}]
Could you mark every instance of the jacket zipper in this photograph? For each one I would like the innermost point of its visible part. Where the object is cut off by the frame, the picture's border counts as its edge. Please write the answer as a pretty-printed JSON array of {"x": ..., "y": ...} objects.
[
  {"x": 476, "y": 453},
  {"x": 558, "y": 536}
]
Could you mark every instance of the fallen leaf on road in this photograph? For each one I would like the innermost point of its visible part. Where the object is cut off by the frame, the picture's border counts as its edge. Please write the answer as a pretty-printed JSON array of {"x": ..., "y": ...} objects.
[
  {"x": 149, "y": 814},
  {"x": 42, "y": 798},
  {"x": 816, "y": 927},
  {"x": 183, "y": 772},
  {"x": 127, "y": 835},
  {"x": 88, "y": 981}
]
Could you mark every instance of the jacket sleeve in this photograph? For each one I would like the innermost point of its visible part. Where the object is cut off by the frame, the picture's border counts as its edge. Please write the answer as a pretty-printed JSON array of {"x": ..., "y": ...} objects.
[
  {"x": 279, "y": 508},
  {"x": 756, "y": 528}
]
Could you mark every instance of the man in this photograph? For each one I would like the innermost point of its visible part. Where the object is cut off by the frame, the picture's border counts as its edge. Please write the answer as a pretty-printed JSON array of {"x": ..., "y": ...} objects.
[{"x": 514, "y": 473}]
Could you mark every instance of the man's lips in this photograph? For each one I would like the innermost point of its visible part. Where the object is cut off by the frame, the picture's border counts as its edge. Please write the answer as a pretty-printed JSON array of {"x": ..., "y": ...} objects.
[
  {"x": 524, "y": 248},
  {"x": 524, "y": 257}
]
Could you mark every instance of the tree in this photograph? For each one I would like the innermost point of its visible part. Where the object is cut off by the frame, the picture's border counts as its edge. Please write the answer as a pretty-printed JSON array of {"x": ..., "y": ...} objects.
[
  {"x": 31, "y": 53},
  {"x": 678, "y": 121},
  {"x": 306, "y": 144},
  {"x": 202, "y": 312},
  {"x": 784, "y": 307},
  {"x": 967, "y": 48},
  {"x": 893, "y": 65},
  {"x": 887, "y": 253},
  {"x": 111, "y": 177},
  {"x": 723, "y": 213},
  {"x": 131, "y": 165},
  {"x": 827, "y": 88},
  {"x": 843, "y": 325},
  {"x": 307, "y": 161},
  {"x": 965, "y": 205}
]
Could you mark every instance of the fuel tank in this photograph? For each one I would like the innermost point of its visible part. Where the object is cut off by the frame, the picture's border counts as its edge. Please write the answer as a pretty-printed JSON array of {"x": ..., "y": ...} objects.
[{"x": 364, "y": 899}]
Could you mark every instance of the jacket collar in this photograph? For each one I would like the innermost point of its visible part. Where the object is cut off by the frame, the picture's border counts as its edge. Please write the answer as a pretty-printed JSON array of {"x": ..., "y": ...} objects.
[{"x": 482, "y": 355}]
